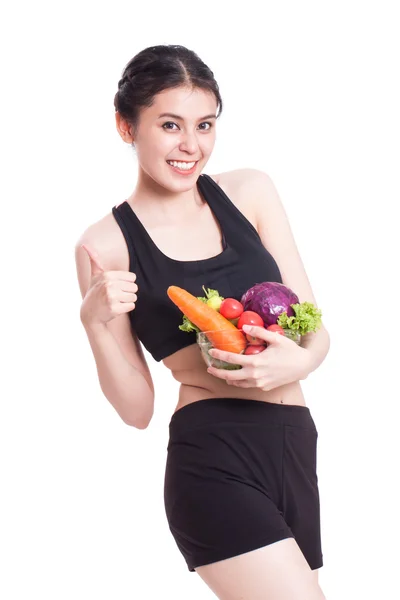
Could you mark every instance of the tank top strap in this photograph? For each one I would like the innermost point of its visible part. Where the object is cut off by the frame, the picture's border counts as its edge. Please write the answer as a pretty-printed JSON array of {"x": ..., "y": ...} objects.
[
  {"x": 232, "y": 220},
  {"x": 144, "y": 256}
]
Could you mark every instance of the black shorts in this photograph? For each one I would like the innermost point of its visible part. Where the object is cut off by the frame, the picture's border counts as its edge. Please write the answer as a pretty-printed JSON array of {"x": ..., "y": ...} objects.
[{"x": 241, "y": 474}]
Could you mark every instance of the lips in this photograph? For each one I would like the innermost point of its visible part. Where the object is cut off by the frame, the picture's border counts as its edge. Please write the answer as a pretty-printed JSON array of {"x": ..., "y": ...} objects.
[
  {"x": 182, "y": 163},
  {"x": 183, "y": 167}
]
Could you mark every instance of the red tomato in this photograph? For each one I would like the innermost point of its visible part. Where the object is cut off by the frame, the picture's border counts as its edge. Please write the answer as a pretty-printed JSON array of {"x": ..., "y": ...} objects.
[
  {"x": 277, "y": 328},
  {"x": 231, "y": 308},
  {"x": 254, "y": 341},
  {"x": 249, "y": 317},
  {"x": 254, "y": 349}
]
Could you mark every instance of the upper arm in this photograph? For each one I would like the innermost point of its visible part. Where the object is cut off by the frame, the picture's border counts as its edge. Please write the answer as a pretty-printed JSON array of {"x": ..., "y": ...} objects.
[
  {"x": 276, "y": 234},
  {"x": 120, "y": 326}
]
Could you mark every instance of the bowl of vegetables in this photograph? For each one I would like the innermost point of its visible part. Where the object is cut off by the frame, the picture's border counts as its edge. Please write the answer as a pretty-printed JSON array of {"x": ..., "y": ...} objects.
[
  {"x": 253, "y": 345},
  {"x": 218, "y": 321},
  {"x": 206, "y": 340}
]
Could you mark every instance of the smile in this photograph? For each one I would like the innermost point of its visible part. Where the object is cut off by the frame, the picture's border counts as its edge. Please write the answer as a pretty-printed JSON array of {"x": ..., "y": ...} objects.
[{"x": 182, "y": 166}]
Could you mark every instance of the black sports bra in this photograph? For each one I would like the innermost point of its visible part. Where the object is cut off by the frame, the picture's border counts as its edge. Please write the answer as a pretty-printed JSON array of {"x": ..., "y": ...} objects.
[{"x": 243, "y": 262}]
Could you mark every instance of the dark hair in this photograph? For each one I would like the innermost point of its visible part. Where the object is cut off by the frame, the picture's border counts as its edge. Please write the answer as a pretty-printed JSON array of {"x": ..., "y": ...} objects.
[{"x": 158, "y": 68}]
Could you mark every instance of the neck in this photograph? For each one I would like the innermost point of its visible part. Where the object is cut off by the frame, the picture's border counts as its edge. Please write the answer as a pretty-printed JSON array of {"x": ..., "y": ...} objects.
[{"x": 168, "y": 203}]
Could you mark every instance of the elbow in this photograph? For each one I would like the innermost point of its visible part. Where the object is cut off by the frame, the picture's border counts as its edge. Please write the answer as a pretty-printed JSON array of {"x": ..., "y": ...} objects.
[
  {"x": 138, "y": 421},
  {"x": 137, "y": 424},
  {"x": 327, "y": 340}
]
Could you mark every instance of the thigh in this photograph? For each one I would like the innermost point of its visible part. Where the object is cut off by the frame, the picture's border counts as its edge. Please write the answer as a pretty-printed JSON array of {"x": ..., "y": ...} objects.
[
  {"x": 316, "y": 575},
  {"x": 278, "y": 571}
]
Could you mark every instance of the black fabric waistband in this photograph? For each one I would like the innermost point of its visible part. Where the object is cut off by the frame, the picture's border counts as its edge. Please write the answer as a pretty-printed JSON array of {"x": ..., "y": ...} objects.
[{"x": 239, "y": 410}]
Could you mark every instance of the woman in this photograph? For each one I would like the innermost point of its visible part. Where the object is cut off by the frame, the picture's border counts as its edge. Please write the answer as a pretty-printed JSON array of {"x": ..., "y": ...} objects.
[{"x": 241, "y": 493}]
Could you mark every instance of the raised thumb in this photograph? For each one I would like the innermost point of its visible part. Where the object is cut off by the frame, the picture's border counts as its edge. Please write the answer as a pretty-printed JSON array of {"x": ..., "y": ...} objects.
[{"x": 95, "y": 265}]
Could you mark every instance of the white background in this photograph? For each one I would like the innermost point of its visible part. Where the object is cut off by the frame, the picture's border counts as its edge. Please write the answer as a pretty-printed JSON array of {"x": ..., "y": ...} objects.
[{"x": 311, "y": 97}]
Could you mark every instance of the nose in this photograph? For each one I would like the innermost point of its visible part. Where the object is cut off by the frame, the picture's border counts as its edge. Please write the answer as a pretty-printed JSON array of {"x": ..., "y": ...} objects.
[{"x": 189, "y": 143}]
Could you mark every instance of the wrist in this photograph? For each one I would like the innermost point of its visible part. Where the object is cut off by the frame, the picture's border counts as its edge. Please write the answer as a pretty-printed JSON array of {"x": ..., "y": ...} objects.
[{"x": 93, "y": 326}]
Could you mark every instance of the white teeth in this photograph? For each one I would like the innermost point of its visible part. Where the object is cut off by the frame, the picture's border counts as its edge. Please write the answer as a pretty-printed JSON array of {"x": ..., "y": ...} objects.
[{"x": 181, "y": 165}]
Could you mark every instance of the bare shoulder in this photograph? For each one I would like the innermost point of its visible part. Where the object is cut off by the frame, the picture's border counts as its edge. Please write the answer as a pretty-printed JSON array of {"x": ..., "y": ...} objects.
[
  {"x": 240, "y": 180},
  {"x": 247, "y": 188},
  {"x": 238, "y": 177},
  {"x": 243, "y": 187},
  {"x": 105, "y": 237},
  {"x": 254, "y": 193}
]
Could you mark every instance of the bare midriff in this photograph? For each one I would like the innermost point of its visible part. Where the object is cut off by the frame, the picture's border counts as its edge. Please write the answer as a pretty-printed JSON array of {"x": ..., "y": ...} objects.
[
  {"x": 189, "y": 369},
  {"x": 187, "y": 365}
]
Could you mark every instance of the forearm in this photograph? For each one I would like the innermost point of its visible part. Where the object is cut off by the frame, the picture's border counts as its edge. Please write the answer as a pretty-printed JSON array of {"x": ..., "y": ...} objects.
[
  {"x": 317, "y": 344},
  {"x": 124, "y": 386}
]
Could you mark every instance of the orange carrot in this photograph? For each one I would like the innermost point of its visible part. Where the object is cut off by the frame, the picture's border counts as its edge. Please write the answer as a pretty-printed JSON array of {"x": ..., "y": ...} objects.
[{"x": 223, "y": 334}]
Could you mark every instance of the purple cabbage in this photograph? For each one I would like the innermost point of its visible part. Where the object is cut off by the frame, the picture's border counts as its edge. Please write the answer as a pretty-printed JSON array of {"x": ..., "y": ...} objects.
[{"x": 269, "y": 299}]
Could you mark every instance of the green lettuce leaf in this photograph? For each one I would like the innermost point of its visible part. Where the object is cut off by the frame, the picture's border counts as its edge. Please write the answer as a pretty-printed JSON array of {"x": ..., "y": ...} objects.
[
  {"x": 307, "y": 318},
  {"x": 188, "y": 326}
]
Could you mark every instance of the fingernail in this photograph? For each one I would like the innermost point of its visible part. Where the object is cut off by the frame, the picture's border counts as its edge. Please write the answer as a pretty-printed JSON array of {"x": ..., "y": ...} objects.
[{"x": 246, "y": 328}]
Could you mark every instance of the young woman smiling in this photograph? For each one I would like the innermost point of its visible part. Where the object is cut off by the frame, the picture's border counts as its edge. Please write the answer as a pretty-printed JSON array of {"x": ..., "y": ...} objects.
[{"x": 241, "y": 491}]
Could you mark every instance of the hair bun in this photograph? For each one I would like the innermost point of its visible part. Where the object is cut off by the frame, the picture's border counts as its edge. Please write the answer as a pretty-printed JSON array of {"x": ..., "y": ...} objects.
[{"x": 158, "y": 68}]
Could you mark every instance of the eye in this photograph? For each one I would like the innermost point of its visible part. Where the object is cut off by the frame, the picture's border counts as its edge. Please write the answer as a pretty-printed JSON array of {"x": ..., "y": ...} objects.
[
  {"x": 205, "y": 123},
  {"x": 168, "y": 124}
]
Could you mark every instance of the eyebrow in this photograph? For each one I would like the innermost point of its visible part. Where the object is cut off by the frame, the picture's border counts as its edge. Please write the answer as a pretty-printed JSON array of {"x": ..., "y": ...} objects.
[{"x": 173, "y": 116}]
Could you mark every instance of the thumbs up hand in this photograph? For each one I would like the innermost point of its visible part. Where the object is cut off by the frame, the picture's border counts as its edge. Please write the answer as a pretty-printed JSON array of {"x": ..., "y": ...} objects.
[
  {"x": 95, "y": 265},
  {"x": 110, "y": 293}
]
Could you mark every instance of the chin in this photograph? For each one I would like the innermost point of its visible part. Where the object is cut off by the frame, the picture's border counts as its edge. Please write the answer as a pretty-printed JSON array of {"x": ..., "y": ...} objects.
[{"x": 178, "y": 183}]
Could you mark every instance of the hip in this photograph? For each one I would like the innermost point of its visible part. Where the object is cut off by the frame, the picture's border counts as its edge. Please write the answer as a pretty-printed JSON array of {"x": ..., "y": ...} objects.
[
  {"x": 220, "y": 441},
  {"x": 241, "y": 474}
]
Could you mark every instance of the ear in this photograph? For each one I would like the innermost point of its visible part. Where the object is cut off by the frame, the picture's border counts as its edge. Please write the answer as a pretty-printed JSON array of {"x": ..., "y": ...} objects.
[{"x": 123, "y": 128}]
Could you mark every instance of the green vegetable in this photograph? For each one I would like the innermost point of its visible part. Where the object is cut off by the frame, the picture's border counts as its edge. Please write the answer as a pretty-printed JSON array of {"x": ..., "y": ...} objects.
[
  {"x": 307, "y": 318},
  {"x": 215, "y": 302},
  {"x": 212, "y": 298},
  {"x": 188, "y": 325}
]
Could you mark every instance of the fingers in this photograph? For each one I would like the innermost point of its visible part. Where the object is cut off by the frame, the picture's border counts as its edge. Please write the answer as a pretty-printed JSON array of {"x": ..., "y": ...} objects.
[
  {"x": 125, "y": 307},
  {"x": 243, "y": 383},
  {"x": 128, "y": 297},
  {"x": 239, "y": 378},
  {"x": 117, "y": 291},
  {"x": 228, "y": 375},
  {"x": 128, "y": 286},
  {"x": 125, "y": 291},
  {"x": 95, "y": 265},
  {"x": 243, "y": 378},
  {"x": 97, "y": 268},
  {"x": 246, "y": 383},
  {"x": 264, "y": 334},
  {"x": 231, "y": 357},
  {"x": 122, "y": 275}
]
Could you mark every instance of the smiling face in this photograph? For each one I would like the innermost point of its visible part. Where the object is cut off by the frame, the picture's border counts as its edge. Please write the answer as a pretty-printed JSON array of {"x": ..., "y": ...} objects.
[{"x": 175, "y": 137}]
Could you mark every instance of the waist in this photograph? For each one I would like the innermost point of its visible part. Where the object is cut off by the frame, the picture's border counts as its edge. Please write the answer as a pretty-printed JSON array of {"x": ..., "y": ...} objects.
[
  {"x": 239, "y": 411},
  {"x": 203, "y": 388},
  {"x": 189, "y": 369}
]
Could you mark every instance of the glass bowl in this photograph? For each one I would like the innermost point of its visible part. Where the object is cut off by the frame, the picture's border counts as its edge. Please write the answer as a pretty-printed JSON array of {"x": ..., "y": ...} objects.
[
  {"x": 205, "y": 344},
  {"x": 293, "y": 335}
]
